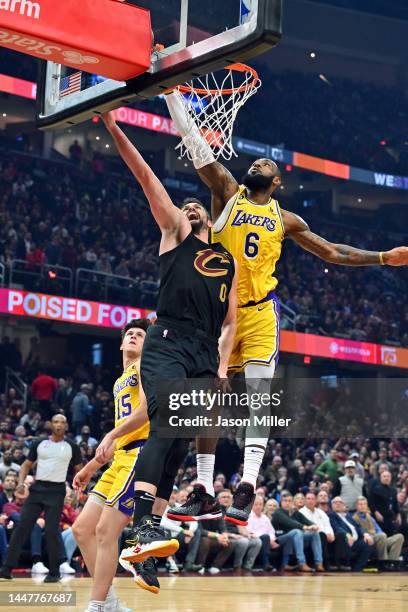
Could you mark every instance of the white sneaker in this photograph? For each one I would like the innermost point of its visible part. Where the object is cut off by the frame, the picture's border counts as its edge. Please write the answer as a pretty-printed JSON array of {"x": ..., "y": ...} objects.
[
  {"x": 39, "y": 568},
  {"x": 202, "y": 571},
  {"x": 172, "y": 565},
  {"x": 116, "y": 606},
  {"x": 65, "y": 568},
  {"x": 214, "y": 570}
]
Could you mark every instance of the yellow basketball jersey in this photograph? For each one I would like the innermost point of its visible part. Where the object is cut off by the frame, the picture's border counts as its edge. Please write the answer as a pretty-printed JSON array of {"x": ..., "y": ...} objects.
[
  {"x": 127, "y": 401},
  {"x": 253, "y": 234}
]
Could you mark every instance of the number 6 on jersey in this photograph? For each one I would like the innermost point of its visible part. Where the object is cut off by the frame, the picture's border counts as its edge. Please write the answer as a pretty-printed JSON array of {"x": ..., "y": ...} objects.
[{"x": 251, "y": 245}]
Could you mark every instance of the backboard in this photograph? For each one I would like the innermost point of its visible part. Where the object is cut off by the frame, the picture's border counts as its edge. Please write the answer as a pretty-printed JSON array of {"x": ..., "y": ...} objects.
[{"x": 192, "y": 38}]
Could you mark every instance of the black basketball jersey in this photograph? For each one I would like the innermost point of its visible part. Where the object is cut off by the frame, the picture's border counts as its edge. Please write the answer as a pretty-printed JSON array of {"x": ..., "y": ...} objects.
[{"x": 195, "y": 281}]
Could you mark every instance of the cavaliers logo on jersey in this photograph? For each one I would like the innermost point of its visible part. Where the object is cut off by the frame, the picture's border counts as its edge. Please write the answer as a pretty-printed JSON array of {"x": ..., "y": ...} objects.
[{"x": 202, "y": 263}]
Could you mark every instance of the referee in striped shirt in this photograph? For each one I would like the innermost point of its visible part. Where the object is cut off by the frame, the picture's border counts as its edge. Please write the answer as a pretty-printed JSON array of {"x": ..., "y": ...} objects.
[{"x": 53, "y": 456}]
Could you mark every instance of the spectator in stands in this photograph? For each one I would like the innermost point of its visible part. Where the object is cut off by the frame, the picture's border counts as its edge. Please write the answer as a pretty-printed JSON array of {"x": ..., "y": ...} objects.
[
  {"x": 349, "y": 486},
  {"x": 359, "y": 544},
  {"x": 245, "y": 541},
  {"x": 7, "y": 463},
  {"x": 299, "y": 501},
  {"x": 382, "y": 459},
  {"x": 360, "y": 471},
  {"x": 214, "y": 539},
  {"x": 81, "y": 408},
  {"x": 186, "y": 533},
  {"x": 13, "y": 512},
  {"x": 320, "y": 518},
  {"x": 329, "y": 468},
  {"x": 7, "y": 494},
  {"x": 387, "y": 548},
  {"x": 75, "y": 152},
  {"x": 85, "y": 436},
  {"x": 31, "y": 421},
  {"x": 384, "y": 503},
  {"x": 68, "y": 517},
  {"x": 302, "y": 533},
  {"x": 65, "y": 393},
  {"x": 270, "y": 506},
  {"x": 43, "y": 388}
]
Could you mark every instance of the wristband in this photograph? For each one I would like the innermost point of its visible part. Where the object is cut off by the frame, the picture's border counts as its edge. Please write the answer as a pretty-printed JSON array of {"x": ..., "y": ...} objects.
[{"x": 381, "y": 256}]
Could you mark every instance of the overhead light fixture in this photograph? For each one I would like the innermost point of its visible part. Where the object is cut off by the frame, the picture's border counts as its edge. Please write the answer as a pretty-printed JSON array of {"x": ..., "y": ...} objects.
[{"x": 313, "y": 55}]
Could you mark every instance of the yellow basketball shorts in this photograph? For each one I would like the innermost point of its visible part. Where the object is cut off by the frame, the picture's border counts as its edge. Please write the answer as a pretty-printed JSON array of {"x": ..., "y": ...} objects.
[
  {"x": 116, "y": 485},
  {"x": 257, "y": 337}
]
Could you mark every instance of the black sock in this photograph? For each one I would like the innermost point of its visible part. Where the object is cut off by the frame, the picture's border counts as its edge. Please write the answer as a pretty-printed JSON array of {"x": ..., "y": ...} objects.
[
  {"x": 36, "y": 559},
  {"x": 143, "y": 505},
  {"x": 156, "y": 520}
]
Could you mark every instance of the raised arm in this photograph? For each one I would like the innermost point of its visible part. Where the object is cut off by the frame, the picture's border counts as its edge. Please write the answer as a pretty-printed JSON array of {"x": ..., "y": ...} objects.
[
  {"x": 218, "y": 179},
  {"x": 168, "y": 217},
  {"x": 298, "y": 230}
]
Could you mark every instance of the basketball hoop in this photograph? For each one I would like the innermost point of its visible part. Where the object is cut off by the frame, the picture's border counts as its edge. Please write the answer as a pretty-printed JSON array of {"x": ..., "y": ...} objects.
[{"x": 212, "y": 103}]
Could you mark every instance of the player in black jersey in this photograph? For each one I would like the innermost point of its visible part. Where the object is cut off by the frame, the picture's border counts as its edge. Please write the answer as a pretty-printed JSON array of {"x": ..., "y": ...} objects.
[{"x": 192, "y": 338}]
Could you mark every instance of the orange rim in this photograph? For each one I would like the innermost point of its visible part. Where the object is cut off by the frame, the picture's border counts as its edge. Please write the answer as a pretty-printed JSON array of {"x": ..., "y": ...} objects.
[{"x": 224, "y": 92}]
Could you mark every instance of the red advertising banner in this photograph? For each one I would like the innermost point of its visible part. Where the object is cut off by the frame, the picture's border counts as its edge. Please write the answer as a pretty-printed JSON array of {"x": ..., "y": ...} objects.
[
  {"x": 85, "y": 312},
  {"x": 18, "y": 87},
  {"x": 70, "y": 310},
  {"x": 148, "y": 121},
  {"x": 87, "y": 38}
]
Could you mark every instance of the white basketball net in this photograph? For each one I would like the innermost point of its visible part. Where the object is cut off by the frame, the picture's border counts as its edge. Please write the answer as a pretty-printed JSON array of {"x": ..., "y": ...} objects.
[{"x": 212, "y": 105}]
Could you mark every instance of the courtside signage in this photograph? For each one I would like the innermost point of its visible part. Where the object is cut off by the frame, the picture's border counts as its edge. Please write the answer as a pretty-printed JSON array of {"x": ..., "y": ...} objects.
[
  {"x": 85, "y": 312},
  {"x": 25, "y": 8},
  {"x": 70, "y": 310}
]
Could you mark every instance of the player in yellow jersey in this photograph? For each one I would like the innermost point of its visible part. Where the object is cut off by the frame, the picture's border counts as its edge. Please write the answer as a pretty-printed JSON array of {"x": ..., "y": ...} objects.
[
  {"x": 249, "y": 223},
  {"x": 110, "y": 504}
]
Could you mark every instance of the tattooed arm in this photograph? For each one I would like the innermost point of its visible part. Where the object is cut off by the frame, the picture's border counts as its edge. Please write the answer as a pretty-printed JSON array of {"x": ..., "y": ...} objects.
[{"x": 298, "y": 230}]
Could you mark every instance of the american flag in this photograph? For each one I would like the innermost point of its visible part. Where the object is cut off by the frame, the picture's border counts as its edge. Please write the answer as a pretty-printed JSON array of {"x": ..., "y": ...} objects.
[{"x": 70, "y": 84}]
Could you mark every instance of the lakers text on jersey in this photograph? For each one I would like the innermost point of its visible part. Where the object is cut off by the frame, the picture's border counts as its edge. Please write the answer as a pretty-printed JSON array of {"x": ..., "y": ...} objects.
[{"x": 253, "y": 234}]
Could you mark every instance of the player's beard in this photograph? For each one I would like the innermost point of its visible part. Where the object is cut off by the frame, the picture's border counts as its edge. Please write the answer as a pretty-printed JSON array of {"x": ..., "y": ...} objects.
[
  {"x": 257, "y": 182},
  {"x": 197, "y": 226}
]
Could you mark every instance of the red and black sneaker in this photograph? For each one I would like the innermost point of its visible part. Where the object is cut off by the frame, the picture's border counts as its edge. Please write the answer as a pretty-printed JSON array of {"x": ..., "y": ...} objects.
[
  {"x": 200, "y": 506},
  {"x": 244, "y": 497}
]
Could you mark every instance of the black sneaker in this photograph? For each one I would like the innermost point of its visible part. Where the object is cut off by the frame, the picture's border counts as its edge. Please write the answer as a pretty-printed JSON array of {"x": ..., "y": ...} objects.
[
  {"x": 5, "y": 573},
  {"x": 199, "y": 506},
  {"x": 147, "y": 575},
  {"x": 146, "y": 540},
  {"x": 242, "y": 503},
  {"x": 52, "y": 578}
]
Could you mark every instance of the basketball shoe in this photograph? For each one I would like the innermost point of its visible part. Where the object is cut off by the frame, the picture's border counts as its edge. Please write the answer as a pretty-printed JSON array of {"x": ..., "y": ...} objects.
[
  {"x": 146, "y": 540},
  {"x": 144, "y": 574},
  {"x": 242, "y": 503},
  {"x": 199, "y": 506}
]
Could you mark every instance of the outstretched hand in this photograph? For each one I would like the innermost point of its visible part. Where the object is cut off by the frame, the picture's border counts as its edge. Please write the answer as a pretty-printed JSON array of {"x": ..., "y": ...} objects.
[{"x": 396, "y": 257}]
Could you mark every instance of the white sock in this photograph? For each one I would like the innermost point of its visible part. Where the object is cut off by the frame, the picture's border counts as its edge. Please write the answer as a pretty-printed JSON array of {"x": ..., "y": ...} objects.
[
  {"x": 96, "y": 606},
  {"x": 253, "y": 459},
  {"x": 205, "y": 471}
]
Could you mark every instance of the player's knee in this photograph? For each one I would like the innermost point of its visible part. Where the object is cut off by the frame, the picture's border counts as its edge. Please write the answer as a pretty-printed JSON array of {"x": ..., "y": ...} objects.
[
  {"x": 81, "y": 530},
  {"x": 102, "y": 531}
]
